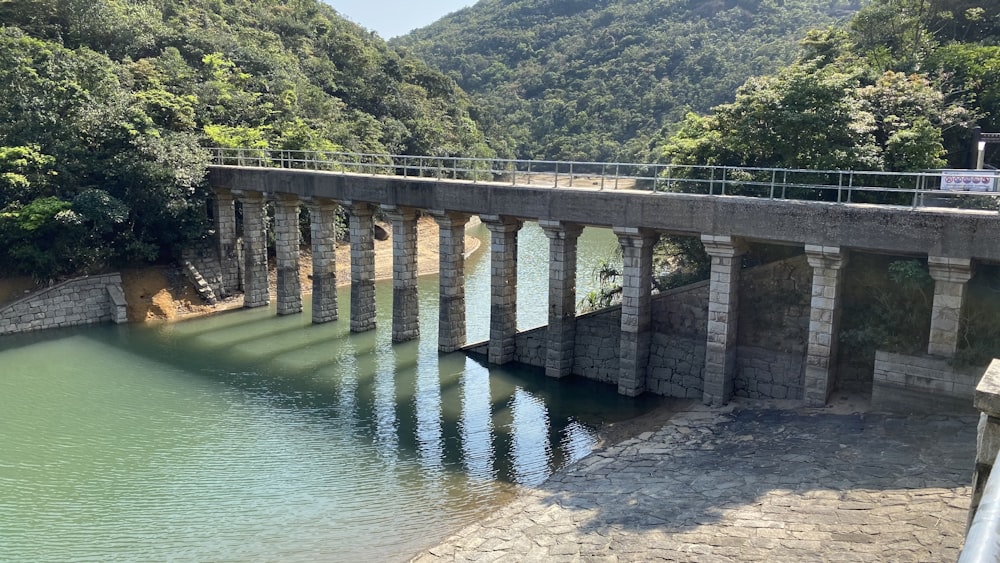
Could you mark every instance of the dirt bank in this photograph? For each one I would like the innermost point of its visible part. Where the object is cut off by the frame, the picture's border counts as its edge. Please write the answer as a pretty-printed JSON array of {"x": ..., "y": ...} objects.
[{"x": 162, "y": 293}]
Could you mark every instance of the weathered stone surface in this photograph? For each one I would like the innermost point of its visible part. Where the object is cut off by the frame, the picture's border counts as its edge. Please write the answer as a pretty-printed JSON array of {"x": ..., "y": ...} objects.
[
  {"x": 950, "y": 276},
  {"x": 286, "y": 251},
  {"x": 323, "y": 232},
  {"x": 746, "y": 484},
  {"x": 361, "y": 230},
  {"x": 503, "y": 287},
  {"x": 723, "y": 317},
  {"x": 824, "y": 320},
  {"x": 405, "y": 299},
  {"x": 637, "y": 273},
  {"x": 227, "y": 244},
  {"x": 451, "y": 279},
  {"x": 80, "y": 301},
  {"x": 562, "y": 296},
  {"x": 255, "y": 284}
]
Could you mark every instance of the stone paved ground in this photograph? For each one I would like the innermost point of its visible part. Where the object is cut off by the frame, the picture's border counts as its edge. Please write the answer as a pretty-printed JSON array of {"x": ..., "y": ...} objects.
[{"x": 747, "y": 484}]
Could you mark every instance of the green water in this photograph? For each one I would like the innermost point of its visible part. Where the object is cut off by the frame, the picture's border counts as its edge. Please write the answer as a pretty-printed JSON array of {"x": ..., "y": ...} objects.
[{"x": 248, "y": 437}]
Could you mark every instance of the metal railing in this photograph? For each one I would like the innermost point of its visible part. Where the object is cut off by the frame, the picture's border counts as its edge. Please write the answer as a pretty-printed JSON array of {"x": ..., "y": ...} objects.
[
  {"x": 982, "y": 540},
  {"x": 912, "y": 189}
]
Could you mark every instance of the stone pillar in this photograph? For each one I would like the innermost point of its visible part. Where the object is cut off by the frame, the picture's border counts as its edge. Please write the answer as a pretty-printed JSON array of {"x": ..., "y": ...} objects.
[
  {"x": 225, "y": 232},
  {"x": 451, "y": 309},
  {"x": 950, "y": 276},
  {"x": 286, "y": 252},
  {"x": 362, "y": 233},
  {"x": 405, "y": 299},
  {"x": 255, "y": 290},
  {"x": 503, "y": 286},
  {"x": 723, "y": 311},
  {"x": 323, "y": 229},
  {"x": 563, "y": 239},
  {"x": 637, "y": 273},
  {"x": 987, "y": 400},
  {"x": 824, "y": 321}
]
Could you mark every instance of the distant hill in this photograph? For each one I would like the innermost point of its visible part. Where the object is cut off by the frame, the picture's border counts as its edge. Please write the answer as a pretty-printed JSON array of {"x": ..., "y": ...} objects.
[
  {"x": 580, "y": 79},
  {"x": 107, "y": 103}
]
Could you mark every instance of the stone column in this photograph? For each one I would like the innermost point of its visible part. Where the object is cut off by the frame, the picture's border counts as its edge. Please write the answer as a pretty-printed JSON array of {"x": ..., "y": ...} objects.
[
  {"x": 563, "y": 239},
  {"x": 637, "y": 273},
  {"x": 255, "y": 290},
  {"x": 503, "y": 287},
  {"x": 451, "y": 309},
  {"x": 362, "y": 233},
  {"x": 323, "y": 229},
  {"x": 225, "y": 232},
  {"x": 723, "y": 321},
  {"x": 405, "y": 299},
  {"x": 286, "y": 251},
  {"x": 824, "y": 321},
  {"x": 950, "y": 276}
]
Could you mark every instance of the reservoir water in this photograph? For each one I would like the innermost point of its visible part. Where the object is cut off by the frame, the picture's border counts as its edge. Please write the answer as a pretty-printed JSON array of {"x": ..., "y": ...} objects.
[{"x": 248, "y": 437}]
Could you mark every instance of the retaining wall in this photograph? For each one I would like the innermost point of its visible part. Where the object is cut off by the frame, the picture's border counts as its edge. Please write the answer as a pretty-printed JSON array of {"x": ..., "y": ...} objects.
[
  {"x": 774, "y": 324},
  {"x": 81, "y": 301},
  {"x": 903, "y": 383}
]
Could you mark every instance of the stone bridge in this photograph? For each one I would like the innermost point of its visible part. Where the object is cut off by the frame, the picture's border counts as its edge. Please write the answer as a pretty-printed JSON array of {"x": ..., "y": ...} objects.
[{"x": 951, "y": 240}]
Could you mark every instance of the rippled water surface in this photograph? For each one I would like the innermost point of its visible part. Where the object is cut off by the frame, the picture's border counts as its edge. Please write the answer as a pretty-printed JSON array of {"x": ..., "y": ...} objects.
[{"x": 247, "y": 437}]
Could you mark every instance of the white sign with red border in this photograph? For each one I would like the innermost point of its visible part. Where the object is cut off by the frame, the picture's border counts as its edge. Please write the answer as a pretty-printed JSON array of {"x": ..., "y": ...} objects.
[{"x": 969, "y": 181}]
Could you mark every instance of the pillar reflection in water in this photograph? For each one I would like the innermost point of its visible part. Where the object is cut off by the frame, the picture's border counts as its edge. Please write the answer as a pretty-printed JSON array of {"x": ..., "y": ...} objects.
[
  {"x": 476, "y": 426},
  {"x": 384, "y": 407},
  {"x": 530, "y": 448},
  {"x": 427, "y": 401}
]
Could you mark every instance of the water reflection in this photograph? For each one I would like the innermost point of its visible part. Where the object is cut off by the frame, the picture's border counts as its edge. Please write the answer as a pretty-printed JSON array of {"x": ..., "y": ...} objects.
[{"x": 252, "y": 437}]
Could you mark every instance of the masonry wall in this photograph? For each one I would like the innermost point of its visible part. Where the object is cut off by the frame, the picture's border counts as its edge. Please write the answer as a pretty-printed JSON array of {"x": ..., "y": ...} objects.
[
  {"x": 774, "y": 325},
  {"x": 82, "y": 301},
  {"x": 922, "y": 383}
]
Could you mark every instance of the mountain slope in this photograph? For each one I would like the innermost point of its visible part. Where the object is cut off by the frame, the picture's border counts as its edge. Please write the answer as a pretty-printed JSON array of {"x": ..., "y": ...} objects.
[{"x": 579, "y": 79}]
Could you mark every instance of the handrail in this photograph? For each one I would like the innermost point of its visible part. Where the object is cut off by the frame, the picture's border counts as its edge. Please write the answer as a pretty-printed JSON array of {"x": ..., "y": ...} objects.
[
  {"x": 982, "y": 542},
  {"x": 911, "y": 189}
]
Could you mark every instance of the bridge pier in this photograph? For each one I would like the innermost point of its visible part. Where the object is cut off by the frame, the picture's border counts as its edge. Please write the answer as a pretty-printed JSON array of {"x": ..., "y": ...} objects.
[
  {"x": 286, "y": 251},
  {"x": 561, "y": 336},
  {"x": 824, "y": 319},
  {"x": 950, "y": 278},
  {"x": 503, "y": 287},
  {"x": 405, "y": 298},
  {"x": 723, "y": 320},
  {"x": 323, "y": 230},
  {"x": 451, "y": 256},
  {"x": 362, "y": 233},
  {"x": 637, "y": 276},
  {"x": 255, "y": 290},
  {"x": 225, "y": 232}
]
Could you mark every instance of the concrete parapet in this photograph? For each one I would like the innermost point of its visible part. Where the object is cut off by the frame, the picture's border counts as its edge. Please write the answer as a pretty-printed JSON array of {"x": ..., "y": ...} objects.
[{"x": 987, "y": 401}]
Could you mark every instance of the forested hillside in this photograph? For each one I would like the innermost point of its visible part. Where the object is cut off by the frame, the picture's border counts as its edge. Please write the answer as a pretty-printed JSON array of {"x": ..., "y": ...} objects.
[
  {"x": 107, "y": 103},
  {"x": 577, "y": 79},
  {"x": 898, "y": 88}
]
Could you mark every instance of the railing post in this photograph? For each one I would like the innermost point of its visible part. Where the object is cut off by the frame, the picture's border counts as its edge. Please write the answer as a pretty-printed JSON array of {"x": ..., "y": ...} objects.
[
  {"x": 840, "y": 185},
  {"x": 784, "y": 184},
  {"x": 556, "y": 185},
  {"x": 604, "y": 168},
  {"x": 724, "y": 170},
  {"x": 571, "y": 174},
  {"x": 617, "y": 174},
  {"x": 774, "y": 177}
]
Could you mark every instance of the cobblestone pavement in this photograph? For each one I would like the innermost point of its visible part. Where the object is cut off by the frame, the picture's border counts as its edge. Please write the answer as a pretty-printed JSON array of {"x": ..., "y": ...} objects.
[{"x": 747, "y": 484}]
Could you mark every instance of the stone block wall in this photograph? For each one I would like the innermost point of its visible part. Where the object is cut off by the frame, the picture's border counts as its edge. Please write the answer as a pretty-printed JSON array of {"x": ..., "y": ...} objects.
[
  {"x": 921, "y": 383},
  {"x": 204, "y": 256},
  {"x": 82, "y": 301},
  {"x": 768, "y": 374}
]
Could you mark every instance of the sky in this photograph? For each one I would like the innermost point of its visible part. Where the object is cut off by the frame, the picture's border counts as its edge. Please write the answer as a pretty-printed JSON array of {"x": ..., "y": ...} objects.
[{"x": 391, "y": 18}]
